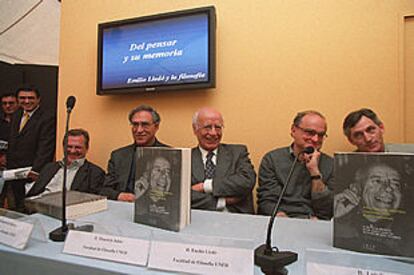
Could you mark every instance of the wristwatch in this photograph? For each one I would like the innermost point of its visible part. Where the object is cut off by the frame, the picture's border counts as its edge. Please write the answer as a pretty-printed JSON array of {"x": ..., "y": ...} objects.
[{"x": 316, "y": 177}]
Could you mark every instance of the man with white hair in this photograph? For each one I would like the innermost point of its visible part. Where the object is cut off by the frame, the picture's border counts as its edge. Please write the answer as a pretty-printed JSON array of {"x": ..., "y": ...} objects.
[{"x": 222, "y": 175}]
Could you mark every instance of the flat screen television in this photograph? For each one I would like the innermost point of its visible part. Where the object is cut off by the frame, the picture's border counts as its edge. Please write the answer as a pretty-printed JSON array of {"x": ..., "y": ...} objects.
[{"x": 166, "y": 51}]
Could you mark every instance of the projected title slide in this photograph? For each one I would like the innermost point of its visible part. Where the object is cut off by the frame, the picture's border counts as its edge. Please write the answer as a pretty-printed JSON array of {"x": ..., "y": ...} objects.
[{"x": 169, "y": 51}]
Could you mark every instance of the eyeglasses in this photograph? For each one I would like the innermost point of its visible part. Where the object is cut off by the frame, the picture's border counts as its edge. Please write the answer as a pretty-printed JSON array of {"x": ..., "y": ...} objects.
[
  {"x": 8, "y": 103},
  {"x": 210, "y": 127},
  {"x": 311, "y": 133},
  {"x": 144, "y": 124}
]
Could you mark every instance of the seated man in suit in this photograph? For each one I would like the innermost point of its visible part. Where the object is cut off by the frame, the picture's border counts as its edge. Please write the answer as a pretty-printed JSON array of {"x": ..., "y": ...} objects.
[
  {"x": 82, "y": 175},
  {"x": 222, "y": 175},
  {"x": 119, "y": 182},
  {"x": 308, "y": 194}
]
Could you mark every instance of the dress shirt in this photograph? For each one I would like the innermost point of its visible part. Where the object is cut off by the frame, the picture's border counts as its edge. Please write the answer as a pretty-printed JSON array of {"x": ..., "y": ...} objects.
[
  {"x": 56, "y": 182},
  {"x": 208, "y": 183},
  {"x": 22, "y": 120}
]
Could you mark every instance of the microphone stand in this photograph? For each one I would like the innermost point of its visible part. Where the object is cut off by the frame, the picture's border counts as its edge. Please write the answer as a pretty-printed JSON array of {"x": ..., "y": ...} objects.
[
  {"x": 269, "y": 259},
  {"x": 59, "y": 234}
]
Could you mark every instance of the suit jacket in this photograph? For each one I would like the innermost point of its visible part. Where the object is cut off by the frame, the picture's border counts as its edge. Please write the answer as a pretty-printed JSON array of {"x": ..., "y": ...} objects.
[
  {"x": 33, "y": 146},
  {"x": 4, "y": 128},
  {"x": 89, "y": 178},
  {"x": 119, "y": 167},
  {"x": 234, "y": 177}
]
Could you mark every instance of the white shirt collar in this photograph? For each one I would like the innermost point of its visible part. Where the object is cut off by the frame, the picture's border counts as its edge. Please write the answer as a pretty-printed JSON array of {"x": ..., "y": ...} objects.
[
  {"x": 76, "y": 163},
  {"x": 32, "y": 111},
  {"x": 205, "y": 152}
]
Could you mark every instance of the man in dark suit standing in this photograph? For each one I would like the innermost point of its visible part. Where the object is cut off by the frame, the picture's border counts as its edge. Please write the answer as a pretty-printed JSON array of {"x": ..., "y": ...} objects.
[
  {"x": 31, "y": 141},
  {"x": 119, "y": 182},
  {"x": 8, "y": 106},
  {"x": 82, "y": 175},
  {"x": 222, "y": 175}
]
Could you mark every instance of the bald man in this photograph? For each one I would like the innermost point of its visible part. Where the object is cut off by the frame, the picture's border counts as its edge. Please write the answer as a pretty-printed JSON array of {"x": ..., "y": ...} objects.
[
  {"x": 222, "y": 175},
  {"x": 309, "y": 193}
]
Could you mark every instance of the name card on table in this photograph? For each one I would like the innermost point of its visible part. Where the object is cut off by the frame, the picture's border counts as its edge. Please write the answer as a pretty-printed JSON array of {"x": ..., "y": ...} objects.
[
  {"x": 107, "y": 247},
  {"x": 14, "y": 233},
  {"x": 326, "y": 269},
  {"x": 194, "y": 258}
]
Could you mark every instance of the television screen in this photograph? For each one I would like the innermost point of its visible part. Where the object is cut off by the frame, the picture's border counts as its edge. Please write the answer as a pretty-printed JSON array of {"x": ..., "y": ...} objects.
[{"x": 160, "y": 52}]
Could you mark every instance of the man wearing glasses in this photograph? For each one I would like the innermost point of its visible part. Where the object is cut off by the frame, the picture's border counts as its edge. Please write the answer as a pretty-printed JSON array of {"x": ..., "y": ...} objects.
[
  {"x": 222, "y": 175},
  {"x": 308, "y": 194},
  {"x": 120, "y": 179},
  {"x": 8, "y": 106}
]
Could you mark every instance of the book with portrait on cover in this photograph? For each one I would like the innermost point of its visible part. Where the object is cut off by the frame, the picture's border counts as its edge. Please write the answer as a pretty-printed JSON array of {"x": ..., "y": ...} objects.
[
  {"x": 78, "y": 204},
  {"x": 162, "y": 187},
  {"x": 374, "y": 203}
]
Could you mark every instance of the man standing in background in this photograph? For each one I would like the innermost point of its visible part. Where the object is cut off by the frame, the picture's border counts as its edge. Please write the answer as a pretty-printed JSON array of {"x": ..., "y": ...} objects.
[
  {"x": 9, "y": 106},
  {"x": 32, "y": 141}
]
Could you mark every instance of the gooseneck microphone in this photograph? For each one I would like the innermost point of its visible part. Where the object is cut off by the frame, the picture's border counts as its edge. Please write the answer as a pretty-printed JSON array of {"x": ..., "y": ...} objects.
[
  {"x": 268, "y": 258},
  {"x": 59, "y": 234},
  {"x": 70, "y": 103}
]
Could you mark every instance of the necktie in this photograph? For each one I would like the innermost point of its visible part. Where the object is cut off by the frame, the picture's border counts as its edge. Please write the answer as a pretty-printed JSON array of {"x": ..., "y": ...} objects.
[
  {"x": 210, "y": 166},
  {"x": 24, "y": 121}
]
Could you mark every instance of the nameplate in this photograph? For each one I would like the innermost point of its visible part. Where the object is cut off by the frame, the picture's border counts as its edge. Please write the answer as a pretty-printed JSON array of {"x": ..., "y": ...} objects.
[
  {"x": 14, "y": 233},
  {"x": 325, "y": 269},
  {"x": 194, "y": 258},
  {"x": 107, "y": 247}
]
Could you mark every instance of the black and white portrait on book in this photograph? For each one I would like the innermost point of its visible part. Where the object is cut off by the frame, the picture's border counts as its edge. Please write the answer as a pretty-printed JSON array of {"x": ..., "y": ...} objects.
[
  {"x": 158, "y": 186},
  {"x": 373, "y": 202}
]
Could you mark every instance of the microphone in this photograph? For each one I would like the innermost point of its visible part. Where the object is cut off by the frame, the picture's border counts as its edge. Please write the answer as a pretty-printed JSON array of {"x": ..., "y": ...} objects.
[
  {"x": 70, "y": 103},
  {"x": 59, "y": 234},
  {"x": 269, "y": 259},
  {"x": 308, "y": 150}
]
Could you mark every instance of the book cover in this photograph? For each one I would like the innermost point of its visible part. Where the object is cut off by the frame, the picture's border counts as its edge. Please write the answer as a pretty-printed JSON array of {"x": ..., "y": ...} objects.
[
  {"x": 162, "y": 187},
  {"x": 78, "y": 204},
  {"x": 373, "y": 203}
]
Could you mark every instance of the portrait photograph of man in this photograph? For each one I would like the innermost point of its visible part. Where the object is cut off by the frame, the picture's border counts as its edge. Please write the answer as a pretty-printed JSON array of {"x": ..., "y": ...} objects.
[
  {"x": 372, "y": 211},
  {"x": 157, "y": 188}
]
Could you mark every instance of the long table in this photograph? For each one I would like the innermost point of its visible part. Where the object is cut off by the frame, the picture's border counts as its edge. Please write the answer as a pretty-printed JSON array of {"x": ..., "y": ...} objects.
[{"x": 312, "y": 240}]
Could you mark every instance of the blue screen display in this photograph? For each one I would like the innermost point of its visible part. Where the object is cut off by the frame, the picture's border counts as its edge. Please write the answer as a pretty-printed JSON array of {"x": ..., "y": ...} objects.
[{"x": 158, "y": 52}]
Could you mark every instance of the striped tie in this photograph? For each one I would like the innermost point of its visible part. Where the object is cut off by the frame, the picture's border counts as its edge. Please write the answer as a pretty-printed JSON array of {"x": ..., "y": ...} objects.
[{"x": 24, "y": 121}]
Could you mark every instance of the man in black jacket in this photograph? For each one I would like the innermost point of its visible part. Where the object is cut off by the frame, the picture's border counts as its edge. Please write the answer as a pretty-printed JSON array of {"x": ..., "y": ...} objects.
[
  {"x": 82, "y": 175},
  {"x": 120, "y": 180},
  {"x": 8, "y": 106},
  {"x": 31, "y": 141}
]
